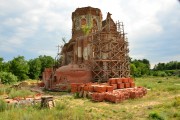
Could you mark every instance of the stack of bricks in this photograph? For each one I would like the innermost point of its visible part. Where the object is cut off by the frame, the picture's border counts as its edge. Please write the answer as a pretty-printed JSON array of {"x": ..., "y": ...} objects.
[
  {"x": 120, "y": 95},
  {"x": 121, "y": 83},
  {"x": 75, "y": 87},
  {"x": 115, "y": 90},
  {"x": 91, "y": 87}
]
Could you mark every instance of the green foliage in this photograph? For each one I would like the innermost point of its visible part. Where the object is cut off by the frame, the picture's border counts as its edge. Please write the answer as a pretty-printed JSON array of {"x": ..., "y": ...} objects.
[
  {"x": 46, "y": 62},
  {"x": 86, "y": 29},
  {"x": 133, "y": 69},
  {"x": 19, "y": 93},
  {"x": 176, "y": 102},
  {"x": 172, "y": 65},
  {"x": 159, "y": 73},
  {"x": 3, "y": 105},
  {"x": 61, "y": 106},
  {"x": 7, "y": 78},
  {"x": 34, "y": 68},
  {"x": 159, "y": 103},
  {"x": 1, "y": 63},
  {"x": 6, "y": 66},
  {"x": 140, "y": 67},
  {"x": 155, "y": 116},
  {"x": 19, "y": 67}
]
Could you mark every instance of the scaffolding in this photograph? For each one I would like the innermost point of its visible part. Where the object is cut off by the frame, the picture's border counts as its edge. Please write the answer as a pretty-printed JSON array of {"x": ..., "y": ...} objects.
[{"x": 110, "y": 57}]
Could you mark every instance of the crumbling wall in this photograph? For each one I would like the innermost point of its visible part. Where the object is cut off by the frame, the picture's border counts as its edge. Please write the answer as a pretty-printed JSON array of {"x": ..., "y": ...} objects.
[
  {"x": 97, "y": 51},
  {"x": 104, "y": 49}
]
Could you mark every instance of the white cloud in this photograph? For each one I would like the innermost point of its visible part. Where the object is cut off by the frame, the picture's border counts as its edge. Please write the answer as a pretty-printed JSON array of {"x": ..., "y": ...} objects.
[{"x": 42, "y": 23}]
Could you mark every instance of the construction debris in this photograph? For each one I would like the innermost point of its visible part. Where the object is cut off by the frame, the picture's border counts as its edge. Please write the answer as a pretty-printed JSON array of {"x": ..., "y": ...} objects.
[
  {"x": 25, "y": 101},
  {"x": 115, "y": 90}
]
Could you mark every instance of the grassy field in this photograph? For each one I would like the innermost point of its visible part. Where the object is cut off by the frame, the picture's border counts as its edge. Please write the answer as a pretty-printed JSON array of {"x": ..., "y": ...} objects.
[{"x": 162, "y": 102}]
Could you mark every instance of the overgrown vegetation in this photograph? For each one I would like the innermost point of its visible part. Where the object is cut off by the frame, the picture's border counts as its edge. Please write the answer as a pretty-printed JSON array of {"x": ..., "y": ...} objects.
[
  {"x": 86, "y": 29},
  {"x": 23, "y": 69},
  {"x": 20, "y": 93},
  {"x": 8, "y": 78},
  {"x": 20, "y": 69},
  {"x": 161, "y": 103}
]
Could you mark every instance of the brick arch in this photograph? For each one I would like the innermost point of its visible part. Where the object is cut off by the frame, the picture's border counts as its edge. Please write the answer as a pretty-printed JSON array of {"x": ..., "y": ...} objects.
[
  {"x": 94, "y": 23},
  {"x": 83, "y": 21}
]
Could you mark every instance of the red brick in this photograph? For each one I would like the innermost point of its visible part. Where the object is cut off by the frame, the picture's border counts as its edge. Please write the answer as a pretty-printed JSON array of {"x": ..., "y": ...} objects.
[
  {"x": 130, "y": 80},
  {"x": 86, "y": 88},
  {"x": 120, "y": 86},
  {"x": 119, "y": 80},
  {"x": 74, "y": 87},
  {"x": 114, "y": 86},
  {"x": 127, "y": 85},
  {"x": 133, "y": 94},
  {"x": 99, "y": 97},
  {"x": 91, "y": 88},
  {"x": 101, "y": 89},
  {"x": 132, "y": 85},
  {"x": 113, "y": 80},
  {"x": 109, "y": 88},
  {"x": 125, "y": 80}
]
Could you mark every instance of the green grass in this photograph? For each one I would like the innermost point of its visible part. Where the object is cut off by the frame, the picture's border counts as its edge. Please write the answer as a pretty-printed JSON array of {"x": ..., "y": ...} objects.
[
  {"x": 20, "y": 93},
  {"x": 162, "y": 102}
]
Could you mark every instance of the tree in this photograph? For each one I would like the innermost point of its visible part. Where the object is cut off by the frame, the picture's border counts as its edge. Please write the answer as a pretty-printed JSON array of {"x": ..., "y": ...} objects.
[
  {"x": 6, "y": 66},
  {"x": 172, "y": 65},
  {"x": 1, "y": 63},
  {"x": 46, "y": 62},
  {"x": 19, "y": 67},
  {"x": 145, "y": 61},
  {"x": 142, "y": 67},
  {"x": 34, "y": 68},
  {"x": 133, "y": 69},
  {"x": 7, "y": 78}
]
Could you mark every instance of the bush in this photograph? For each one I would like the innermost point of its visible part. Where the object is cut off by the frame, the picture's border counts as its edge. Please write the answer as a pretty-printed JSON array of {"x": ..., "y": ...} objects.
[
  {"x": 19, "y": 93},
  {"x": 7, "y": 78},
  {"x": 159, "y": 73},
  {"x": 155, "y": 116},
  {"x": 162, "y": 74}
]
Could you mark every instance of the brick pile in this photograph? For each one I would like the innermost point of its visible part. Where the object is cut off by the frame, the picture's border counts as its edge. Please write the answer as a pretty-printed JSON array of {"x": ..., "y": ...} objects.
[
  {"x": 120, "y": 95},
  {"x": 115, "y": 90},
  {"x": 120, "y": 83}
]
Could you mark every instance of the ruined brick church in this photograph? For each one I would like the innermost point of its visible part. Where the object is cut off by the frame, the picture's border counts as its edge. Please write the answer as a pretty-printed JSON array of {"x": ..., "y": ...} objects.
[{"x": 97, "y": 51}]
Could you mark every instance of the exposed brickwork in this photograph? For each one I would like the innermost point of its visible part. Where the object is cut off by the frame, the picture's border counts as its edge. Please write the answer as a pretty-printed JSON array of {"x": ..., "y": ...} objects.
[{"x": 97, "y": 51}]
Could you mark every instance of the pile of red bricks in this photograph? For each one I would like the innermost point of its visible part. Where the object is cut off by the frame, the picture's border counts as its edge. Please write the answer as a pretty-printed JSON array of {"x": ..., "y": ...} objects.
[
  {"x": 119, "y": 95},
  {"x": 120, "y": 83},
  {"x": 91, "y": 87},
  {"x": 115, "y": 90}
]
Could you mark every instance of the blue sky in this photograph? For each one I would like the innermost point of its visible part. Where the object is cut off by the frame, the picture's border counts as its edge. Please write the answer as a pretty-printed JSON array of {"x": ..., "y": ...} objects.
[{"x": 35, "y": 27}]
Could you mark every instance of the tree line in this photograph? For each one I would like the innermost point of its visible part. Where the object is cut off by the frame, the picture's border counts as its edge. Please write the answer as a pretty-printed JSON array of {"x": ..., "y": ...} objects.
[
  {"x": 19, "y": 69},
  {"x": 141, "y": 68}
]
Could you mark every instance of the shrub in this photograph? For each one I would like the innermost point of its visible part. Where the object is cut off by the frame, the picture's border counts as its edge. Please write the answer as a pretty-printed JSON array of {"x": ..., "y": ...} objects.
[
  {"x": 159, "y": 73},
  {"x": 162, "y": 74},
  {"x": 7, "y": 78},
  {"x": 155, "y": 116}
]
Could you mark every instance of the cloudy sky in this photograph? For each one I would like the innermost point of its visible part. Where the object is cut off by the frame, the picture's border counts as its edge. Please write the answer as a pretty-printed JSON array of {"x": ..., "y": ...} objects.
[{"x": 35, "y": 27}]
